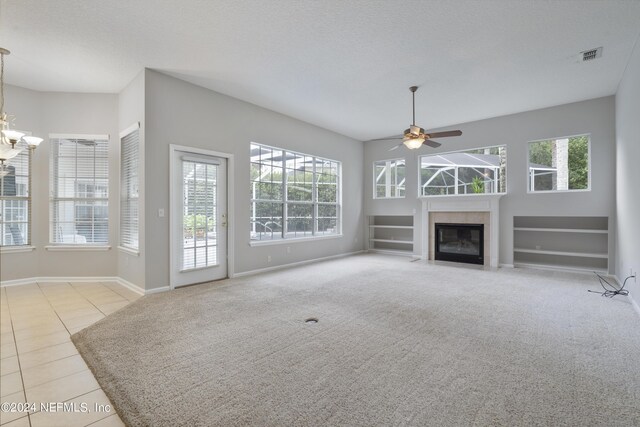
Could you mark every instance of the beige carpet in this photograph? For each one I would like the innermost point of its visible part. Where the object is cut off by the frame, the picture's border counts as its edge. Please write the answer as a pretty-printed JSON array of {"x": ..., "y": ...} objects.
[{"x": 397, "y": 343}]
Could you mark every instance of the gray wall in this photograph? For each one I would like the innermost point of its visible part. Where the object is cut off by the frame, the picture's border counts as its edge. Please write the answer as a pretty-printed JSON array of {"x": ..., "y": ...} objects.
[
  {"x": 131, "y": 110},
  {"x": 628, "y": 173},
  {"x": 594, "y": 116},
  {"x": 181, "y": 113},
  {"x": 44, "y": 114},
  {"x": 173, "y": 111}
]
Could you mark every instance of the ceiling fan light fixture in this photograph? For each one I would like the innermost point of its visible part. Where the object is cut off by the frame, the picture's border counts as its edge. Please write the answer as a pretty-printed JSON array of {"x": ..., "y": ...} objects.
[{"x": 413, "y": 143}]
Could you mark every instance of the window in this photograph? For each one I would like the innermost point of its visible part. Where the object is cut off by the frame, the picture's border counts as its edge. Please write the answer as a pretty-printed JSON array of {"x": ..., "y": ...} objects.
[
  {"x": 293, "y": 195},
  {"x": 15, "y": 201},
  {"x": 129, "y": 159},
  {"x": 560, "y": 164},
  {"x": 477, "y": 171},
  {"x": 389, "y": 178},
  {"x": 79, "y": 200}
]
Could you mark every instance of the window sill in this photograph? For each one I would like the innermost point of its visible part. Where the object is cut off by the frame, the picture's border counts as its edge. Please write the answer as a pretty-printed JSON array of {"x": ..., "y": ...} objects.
[
  {"x": 459, "y": 196},
  {"x": 68, "y": 248},
  {"x": 584, "y": 190},
  {"x": 16, "y": 249},
  {"x": 128, "y": 251},
  {"x": 293, "y": 240}
]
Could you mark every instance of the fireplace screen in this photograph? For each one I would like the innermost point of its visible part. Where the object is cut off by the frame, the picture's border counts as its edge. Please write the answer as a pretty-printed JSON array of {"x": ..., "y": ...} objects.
[{"x": 460, "y": 243}]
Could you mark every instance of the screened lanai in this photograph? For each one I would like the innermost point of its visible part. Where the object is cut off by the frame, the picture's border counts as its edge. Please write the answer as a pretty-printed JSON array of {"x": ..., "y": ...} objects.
[
  {"x": 293, "y": 195},
  {"x": 471, "y": 172}
]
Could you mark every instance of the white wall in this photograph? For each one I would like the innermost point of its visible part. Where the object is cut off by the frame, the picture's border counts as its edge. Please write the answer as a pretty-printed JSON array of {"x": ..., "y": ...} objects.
[
  {"x": 595, "y": 117},
  {"x": 181, "y": 113},
  {"x": 45, "y": 113},
  {"x": 628, "y": 174},
  {"x": 131, "y": 110}
]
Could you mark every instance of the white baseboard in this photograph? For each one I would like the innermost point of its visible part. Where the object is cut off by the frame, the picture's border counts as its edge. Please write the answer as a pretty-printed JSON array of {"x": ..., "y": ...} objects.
[
  {"x": 157, "y": 290},
  {"x": 89, "y": 279},
  {"x": 635, "y": 305},
  {"x": 132, "y": 287},
  {"x": 17, "y": 282},
  {"x": 92, "y": 279},
  {"x": 506, "y": 266},
  {"x": 293, "y": 264},
  {"x": 140, "y": 291}
]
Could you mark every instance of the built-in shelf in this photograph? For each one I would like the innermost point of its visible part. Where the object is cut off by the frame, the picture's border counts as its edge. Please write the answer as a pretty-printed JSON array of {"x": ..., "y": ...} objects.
[
  {"x": 561, "y": 230},
  {"x": 409, "y": 242},
  {"x": 562, "y": 253},
  {"x": 566, "y": 242},
  {"x": 405, "y": 227},
  {"x": 558, "y": 267},
  {"x": 391, "y": 234}
]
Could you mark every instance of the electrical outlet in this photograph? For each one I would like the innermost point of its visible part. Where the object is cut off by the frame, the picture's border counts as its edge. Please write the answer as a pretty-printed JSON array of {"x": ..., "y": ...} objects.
[{"x": 268, "y": 258}]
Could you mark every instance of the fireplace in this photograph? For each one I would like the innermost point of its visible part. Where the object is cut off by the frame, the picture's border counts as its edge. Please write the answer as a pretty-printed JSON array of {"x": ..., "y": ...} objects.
[{"x": 459, "y": 243}]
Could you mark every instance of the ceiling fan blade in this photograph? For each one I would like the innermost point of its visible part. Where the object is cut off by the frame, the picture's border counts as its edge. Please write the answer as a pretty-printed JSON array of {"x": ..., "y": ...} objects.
[
  {"x": 396, "y": 147},
  {"x": 445, "y": 134},
  {"x": 386, "y": 139},
  {"x": 432, "y": 143}
]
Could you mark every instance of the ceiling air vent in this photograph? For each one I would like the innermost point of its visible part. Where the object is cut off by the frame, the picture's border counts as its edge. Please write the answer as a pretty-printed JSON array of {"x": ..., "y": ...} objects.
[{"x": 588, "y": 55}]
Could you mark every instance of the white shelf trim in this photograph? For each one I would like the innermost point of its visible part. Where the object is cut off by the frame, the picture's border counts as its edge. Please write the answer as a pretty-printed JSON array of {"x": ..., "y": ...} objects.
[
  {"x": 392, "y": 251},
  {"x": 562, "y": 230},
  {"x": 404, "y": 242},
  {"x": 403, "y": 227},
  {"x": 563, "y": 253},
  {"x": 560, "y": 267}
]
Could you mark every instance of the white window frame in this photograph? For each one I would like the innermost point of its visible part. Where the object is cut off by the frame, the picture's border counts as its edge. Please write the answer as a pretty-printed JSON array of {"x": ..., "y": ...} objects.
[
  {"x": 314, "y": 202},
  {"x": 26, "y": 246},
  {"x": 126, "y": 197},
  {"x": 528, "y": 171},
  {"x": 387, "y": 171},
  {"x": 53, "y": 244}
]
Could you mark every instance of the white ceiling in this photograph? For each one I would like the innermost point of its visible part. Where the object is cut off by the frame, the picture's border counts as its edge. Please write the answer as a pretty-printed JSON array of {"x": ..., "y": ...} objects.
[{"x": 342, "y": 65}]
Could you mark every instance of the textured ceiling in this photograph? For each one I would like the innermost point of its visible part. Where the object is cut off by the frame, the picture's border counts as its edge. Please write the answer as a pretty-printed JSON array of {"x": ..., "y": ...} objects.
[{"x": 342, "y": 65}]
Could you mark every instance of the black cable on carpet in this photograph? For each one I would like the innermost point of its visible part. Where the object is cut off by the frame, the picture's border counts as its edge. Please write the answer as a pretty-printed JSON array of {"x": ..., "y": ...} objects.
[{"x": 611, "y": 290}]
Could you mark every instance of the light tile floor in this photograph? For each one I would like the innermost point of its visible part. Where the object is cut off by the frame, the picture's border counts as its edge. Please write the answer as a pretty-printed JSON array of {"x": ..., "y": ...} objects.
[{"x": 38, "y": 361}]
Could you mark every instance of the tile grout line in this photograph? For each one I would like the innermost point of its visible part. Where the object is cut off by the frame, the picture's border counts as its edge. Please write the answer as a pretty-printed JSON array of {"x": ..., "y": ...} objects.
[
  {"x": 53, "y": 308},
  {"x": 74, "y": 397},
  {"x": 91, "y": 302},
  {"x": 29, "y": 414},
  {"x": 15, "y": 343}
]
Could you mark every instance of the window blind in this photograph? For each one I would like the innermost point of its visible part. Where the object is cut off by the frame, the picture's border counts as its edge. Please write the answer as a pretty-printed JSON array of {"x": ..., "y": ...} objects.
[
  {"x": 129, "y": 189},
  {"x": 79, "y": 192},
  {"x": 15, "y": 201}
]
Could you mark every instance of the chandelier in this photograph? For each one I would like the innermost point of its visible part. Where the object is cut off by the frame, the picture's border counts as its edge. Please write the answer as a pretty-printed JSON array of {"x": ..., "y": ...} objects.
[{"x": 12, "y": 142}]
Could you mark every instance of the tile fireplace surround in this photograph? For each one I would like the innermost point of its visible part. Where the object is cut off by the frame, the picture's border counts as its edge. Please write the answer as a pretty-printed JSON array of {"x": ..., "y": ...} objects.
[{"x": 469, "y": 209}]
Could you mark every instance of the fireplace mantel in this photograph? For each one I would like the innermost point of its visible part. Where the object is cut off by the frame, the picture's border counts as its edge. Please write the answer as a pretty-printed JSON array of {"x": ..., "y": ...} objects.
[{"x": 464, "y": 203}]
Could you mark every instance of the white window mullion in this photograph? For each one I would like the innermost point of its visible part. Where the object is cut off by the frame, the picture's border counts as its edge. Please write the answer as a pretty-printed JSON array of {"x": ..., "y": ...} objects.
[
  {"x": 314, "y": 199},
  {"x": 285, "y": 213}
]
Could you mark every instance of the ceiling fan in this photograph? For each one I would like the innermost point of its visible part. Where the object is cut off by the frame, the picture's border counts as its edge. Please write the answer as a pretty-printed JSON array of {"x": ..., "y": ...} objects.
[{"x": 415, "y": 136}]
